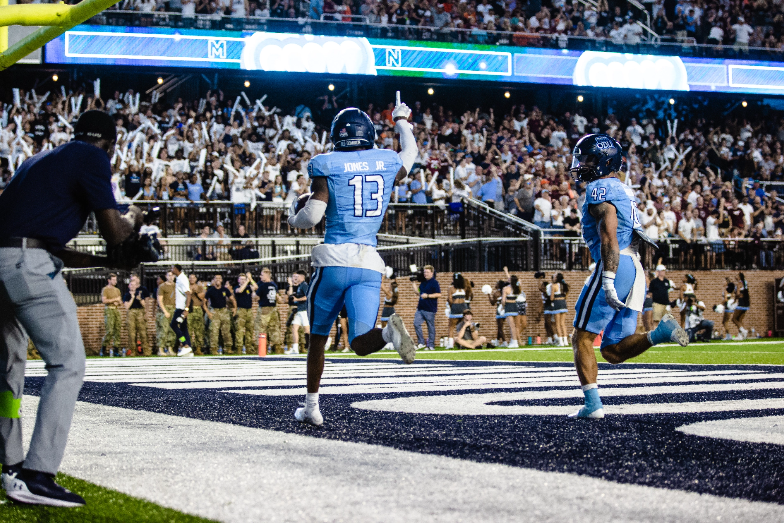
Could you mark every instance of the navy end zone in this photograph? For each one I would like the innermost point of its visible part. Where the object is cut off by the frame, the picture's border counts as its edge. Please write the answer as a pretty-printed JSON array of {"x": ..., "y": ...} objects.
[{"x": 491, "y": 412}]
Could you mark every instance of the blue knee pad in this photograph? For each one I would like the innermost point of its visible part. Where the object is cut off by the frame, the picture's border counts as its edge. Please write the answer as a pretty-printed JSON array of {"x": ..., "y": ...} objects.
[{"x": 332, "y": 287}]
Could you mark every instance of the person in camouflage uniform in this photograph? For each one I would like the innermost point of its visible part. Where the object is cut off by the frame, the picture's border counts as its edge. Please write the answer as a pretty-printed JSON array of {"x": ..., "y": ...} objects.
[
  {"x": 268, "y": 319},
  {"x": 134, "y": 301},
  {"x": 196, "y": 315},
  {"x": 166, "y": 337},
  {"x": 243, "y": 316},
  {"x": 112, "y": 299},
  {"x": 219, "y": 298}
]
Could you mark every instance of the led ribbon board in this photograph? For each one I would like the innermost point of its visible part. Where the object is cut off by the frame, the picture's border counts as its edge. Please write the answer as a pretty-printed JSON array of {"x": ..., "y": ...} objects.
[{"x": 288, "y": 52}]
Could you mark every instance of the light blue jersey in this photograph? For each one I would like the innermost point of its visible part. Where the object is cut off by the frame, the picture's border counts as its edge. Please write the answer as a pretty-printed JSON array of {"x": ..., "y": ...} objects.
[
  {"x": 360, "y": 185},
  {"x": 620, "y": 195}
]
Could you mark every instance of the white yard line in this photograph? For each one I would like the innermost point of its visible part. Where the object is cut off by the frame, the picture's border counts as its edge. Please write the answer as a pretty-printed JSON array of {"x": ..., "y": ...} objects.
[{"x": 235, "y": 474}]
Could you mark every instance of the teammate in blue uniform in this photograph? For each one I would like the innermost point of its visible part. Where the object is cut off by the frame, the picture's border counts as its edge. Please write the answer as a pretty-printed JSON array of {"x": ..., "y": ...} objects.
[
  {"x": 352, "y": 185},
  {"x": 615, "y": 292}
]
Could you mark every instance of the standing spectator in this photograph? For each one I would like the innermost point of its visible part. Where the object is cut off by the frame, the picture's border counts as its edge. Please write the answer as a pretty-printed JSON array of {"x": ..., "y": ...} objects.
[
  {"x": 418, "y": 189},
  {"x": 268, "y": 319},
  {"x": 196, "y": 315},
  {"x": 660, "y": 293},
  {"x": 112, "y": 299},
  {"x": 133, "y": 300},
  {"x": 179, "y": 320},
  {"x": 686, "y": 230},
  {"x": 166, "y": 302},
  {"x": 543, "y": 208},
  {"x": 243, "y": 320},
  {"x": 219, "y": 298},
  {"x": 489, "y": 190},
  {"x": 524, "y": 201},
  {"x": 300, "y": 299},
  {"x": 742, "y": 32},
  {"x": 429, "y": 291}
]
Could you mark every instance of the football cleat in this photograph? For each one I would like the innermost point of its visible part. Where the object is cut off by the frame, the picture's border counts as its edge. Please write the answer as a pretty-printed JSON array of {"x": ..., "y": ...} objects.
[
  {"x": 401, "y": 340},
  {"x": 585, "y": 413},
  {"x": 669, "y": 330},
  {"x": 309, "y": 416}
]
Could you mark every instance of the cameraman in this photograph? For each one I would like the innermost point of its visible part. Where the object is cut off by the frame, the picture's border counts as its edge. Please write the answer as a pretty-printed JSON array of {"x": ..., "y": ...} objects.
[
  {"x": 429, "y": 291},
  {"x": 43, "y": 208},
  {"x": 467, "y": 335},
  {"x": 696, "y": 325}
]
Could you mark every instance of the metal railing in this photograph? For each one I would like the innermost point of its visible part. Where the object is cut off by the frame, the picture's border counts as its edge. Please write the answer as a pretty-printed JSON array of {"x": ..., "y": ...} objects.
[
  {"x": 653, "y": 46},
  {"x": 565, "y": 253},
  {"x": 466, "y": 219}
]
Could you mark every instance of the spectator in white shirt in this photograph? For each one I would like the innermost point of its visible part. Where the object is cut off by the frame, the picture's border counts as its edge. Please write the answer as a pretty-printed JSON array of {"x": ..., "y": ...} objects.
[
  {"x": 742, "y": 32},
  {"x": 635, "y": 132},
  {"x": 543, "y": 208},
  {"x": 748, "y": 211}
]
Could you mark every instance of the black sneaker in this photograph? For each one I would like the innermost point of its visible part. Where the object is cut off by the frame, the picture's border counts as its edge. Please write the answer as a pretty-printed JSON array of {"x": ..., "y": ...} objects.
[
  {"x": 9, "y": 475},
  {"x": 36, "y": 488}
]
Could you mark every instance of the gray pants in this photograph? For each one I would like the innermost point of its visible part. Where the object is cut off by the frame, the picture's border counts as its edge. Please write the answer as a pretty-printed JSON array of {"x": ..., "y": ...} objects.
[
  {"x": 34, "y": 300},
  {"x": 430, "y": 319}
]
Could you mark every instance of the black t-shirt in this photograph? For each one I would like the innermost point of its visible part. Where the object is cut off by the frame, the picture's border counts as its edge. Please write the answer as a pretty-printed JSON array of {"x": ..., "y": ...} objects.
[
  {"x": 133, "y": 182},
  {"x": 302, "y": 291},
  {"x": 267, "y": 293},
  {"x": 40, "y": 131},
  {"x": 54, "y": 192},
  {"x": 141, "y": 294},
  {"x": 217, "y": 297},
  {"x": 571, "y": 221},
  {"x": 244, "y": 298},
  {"x": 179, "y": 189},
  {"x": 660, "y": 291}
]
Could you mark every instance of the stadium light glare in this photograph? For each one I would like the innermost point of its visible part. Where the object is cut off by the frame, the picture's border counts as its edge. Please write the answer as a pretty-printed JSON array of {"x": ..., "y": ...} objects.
[
  {"x": 430, "y": 91},
  {"x": 507, "y": 94},
  {"x": 247, "y": 83},
  {"x": 744, "y": 103},
  {"x": 331, "y": 87},
  {"x": 672, "y": 101},
  {"x": 160, "y": 80},
  {"x": 55, "y": 77},
  {"x": 580, "y": 98}
]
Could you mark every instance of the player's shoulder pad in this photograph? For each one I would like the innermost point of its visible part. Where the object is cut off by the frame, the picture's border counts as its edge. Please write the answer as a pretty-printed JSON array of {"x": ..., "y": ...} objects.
[{"x": 319, "y": 165}]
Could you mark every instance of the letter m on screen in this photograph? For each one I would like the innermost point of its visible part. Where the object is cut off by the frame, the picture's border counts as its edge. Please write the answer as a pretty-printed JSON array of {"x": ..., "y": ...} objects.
[
  {"x": 393, "y": 57},
  {"x": 216, "y": 49}
]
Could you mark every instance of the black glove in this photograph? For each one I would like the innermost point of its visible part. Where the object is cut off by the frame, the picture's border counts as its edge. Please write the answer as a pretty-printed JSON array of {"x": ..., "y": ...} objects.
[{"x": 136, "y": 249}]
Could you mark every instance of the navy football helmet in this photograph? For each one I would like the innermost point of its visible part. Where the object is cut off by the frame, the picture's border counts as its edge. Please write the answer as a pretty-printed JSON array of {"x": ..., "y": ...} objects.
[
  {"x": 352, "y": 128},
  {"x": 595, "y": 156}
]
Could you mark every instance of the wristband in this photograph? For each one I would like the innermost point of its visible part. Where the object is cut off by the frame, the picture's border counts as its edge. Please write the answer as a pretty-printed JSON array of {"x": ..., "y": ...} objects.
[{"x": 610, "y": 275}]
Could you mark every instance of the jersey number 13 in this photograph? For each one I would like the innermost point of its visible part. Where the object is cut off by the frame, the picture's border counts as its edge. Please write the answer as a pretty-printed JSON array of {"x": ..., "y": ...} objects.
[{"x": 358, "y": 183}]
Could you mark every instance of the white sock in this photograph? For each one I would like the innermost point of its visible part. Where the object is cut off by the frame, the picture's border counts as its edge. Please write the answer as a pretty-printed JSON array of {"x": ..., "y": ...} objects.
[
  {"x": 295, "y": 346},
  {"x": 386, "y": 333},
  {"x": 450, "y": 343},
  {"x": 311, "y": 400},
  {"x": 584, "y": 387}
]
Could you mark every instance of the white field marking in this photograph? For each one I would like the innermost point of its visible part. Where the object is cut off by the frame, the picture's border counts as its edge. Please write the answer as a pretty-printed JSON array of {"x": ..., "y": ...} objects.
[
  {"x": 233, "y": 473},
  {"x": 768, "y": 429},
  {"x": 482, "y": 404},
  {"x": 372, "y": 375},
  {"x": 447, "y": 385}
]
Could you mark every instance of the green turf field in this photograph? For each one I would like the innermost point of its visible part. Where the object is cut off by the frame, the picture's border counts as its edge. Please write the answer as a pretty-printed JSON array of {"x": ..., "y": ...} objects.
[
  {"x": 756, "y": 352},
  {"x": 103, "y": 505}
]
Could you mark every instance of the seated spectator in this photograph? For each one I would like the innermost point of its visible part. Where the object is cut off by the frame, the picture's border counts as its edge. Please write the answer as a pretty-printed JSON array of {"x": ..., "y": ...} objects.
[{"x": 466, "y": 333}]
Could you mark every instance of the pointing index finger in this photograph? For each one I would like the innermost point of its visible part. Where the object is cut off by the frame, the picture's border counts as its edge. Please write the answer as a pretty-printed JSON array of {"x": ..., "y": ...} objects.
[{"x": 397, "y": 98}]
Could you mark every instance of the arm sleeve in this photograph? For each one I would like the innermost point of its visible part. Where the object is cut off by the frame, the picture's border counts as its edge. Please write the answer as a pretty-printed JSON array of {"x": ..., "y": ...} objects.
[{"x": 408, "y": 144}]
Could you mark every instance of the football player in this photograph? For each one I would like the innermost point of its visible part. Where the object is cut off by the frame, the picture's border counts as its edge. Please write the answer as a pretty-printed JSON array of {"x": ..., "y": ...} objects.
[
  {"x": 615, "y": 292},
  {"x": 352, "y": 186}
]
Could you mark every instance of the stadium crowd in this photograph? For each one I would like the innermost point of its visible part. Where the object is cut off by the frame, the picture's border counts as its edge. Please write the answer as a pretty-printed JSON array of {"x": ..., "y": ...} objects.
[
  {"x": 232, "y": 149},
  {"x": 739, "y": 24}
]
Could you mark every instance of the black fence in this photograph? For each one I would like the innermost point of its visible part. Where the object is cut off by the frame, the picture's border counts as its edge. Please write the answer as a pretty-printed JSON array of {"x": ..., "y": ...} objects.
[
  {"x": 466, "y": 219},
  {"x": 360, "y": 28},
  {"x": 675, "y": 253}
]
